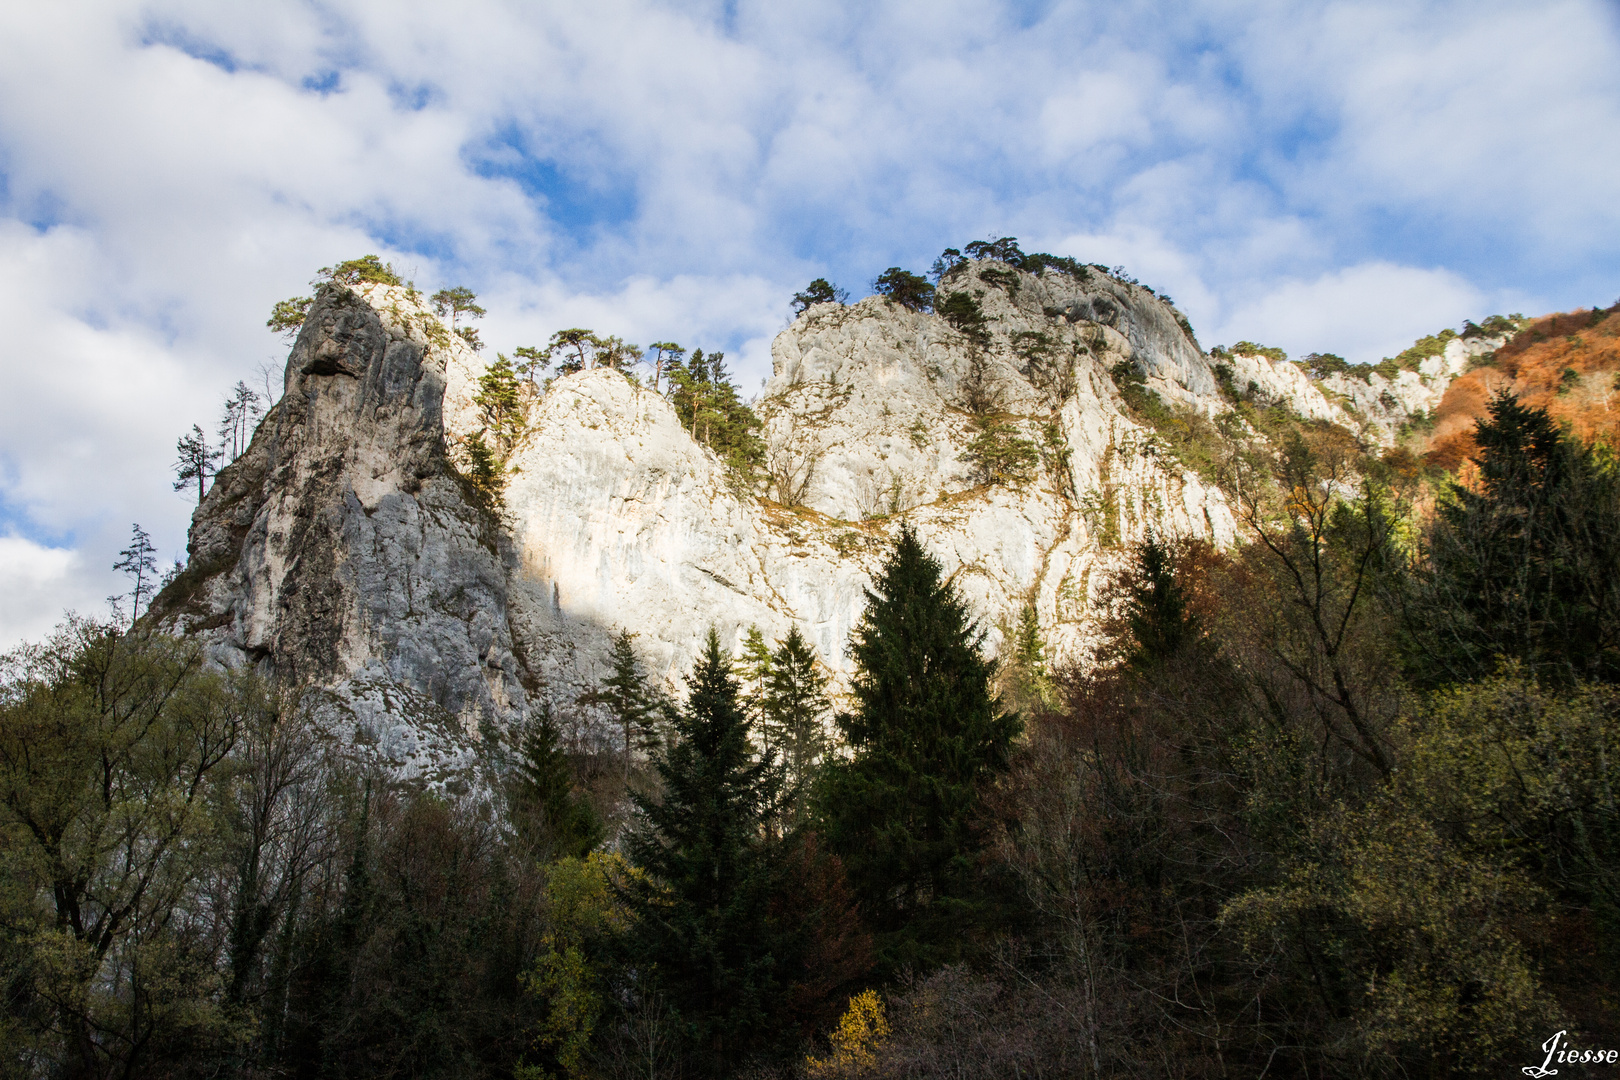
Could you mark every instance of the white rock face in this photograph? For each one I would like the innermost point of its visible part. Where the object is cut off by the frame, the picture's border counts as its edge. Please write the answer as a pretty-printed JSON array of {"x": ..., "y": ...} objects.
[
  {"x": 623, "y": 521},
  {"x": 343, "y": 550},
  {"x": 1382, "y": 404}
]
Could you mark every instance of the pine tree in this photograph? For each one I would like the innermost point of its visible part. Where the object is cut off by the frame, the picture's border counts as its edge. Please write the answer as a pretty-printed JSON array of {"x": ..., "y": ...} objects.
[
  {"x": 819, "y": 291},
  {"x": 137, "y": 561},
  {"x": 544, "y": 805},
  {"x": 793, "y": 707},
  {"x": 500, "y": 404},
  {"x": 704, "y": 932},
  {"x": 531, "y": 361},
  {"x": 195, "y": 460},
  {"x": 455, "y": 303},
  {"x": 628, "y": 698},
  {"x": 665, "y": 355},
  {"x": 236, "y": 427},
  {"x": 926, "y": 732}
]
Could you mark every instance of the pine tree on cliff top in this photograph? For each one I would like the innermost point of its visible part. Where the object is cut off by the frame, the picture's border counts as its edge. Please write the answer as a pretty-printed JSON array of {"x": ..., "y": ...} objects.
[{"x": 926, "y": 732}]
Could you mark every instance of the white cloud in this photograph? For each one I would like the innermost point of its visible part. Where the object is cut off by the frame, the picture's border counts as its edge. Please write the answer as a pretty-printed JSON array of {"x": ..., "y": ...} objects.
[
  {"x": 35, "y": 581},
  {"x": 677, "y": 171},
  {"x": 1363, "y": 313}
]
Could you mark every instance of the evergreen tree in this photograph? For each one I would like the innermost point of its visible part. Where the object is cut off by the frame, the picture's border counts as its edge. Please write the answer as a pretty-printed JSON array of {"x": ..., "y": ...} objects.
[
  {"x": 530, "y": 361},
  {"x": 137, "y": 561},
  {"x": 195, "y": 460},
  {"x": 485, "y": 471},
  {"x": 819, "y": 291},
  {"x": 709, "y": 407},
  {"x": 793, "y": 707},
  {"x": 287, "y": 317},
  {"x": 926, "y": 732},
  {"x": 455, "y": 303},
  {"x": 1526, "y": 566},
  {"x": 755, "y": 669},
  {"x": 578, "y": 348},
  {"x": 905, "y": 288},
  {"x": 1156, "y": 608},
  {"x": 351, "y": 272},
  {"x": 500, "y": 403},
  {"x": 665, "y": 356},
  {"x": 544, "y": 804},
  {"x": 628, "y": 698},
  {"x": 704, "y": 934},
  {"x": 236, "y": 427}
]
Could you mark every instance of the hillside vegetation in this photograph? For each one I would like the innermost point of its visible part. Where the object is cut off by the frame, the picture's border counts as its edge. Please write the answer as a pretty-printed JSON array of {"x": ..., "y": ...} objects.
[{"x": 1567, "y": 364}]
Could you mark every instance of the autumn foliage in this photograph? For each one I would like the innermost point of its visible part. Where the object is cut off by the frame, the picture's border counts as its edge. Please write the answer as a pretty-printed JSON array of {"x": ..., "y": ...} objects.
[{"x": 1565, "y": 363}]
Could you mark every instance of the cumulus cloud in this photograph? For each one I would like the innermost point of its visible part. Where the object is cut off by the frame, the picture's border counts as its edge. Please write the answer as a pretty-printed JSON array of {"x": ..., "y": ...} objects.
[
  {"x": 1362, "y": 313},
  {"x": 169, "y": 168},
  {"x": 36, "y": 583}
]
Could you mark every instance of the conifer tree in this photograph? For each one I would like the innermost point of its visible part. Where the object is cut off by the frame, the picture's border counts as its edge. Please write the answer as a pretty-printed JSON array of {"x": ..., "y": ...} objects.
[
  {"x": 1156, "y": 608},
  {"x": 628, "y": 698},
  {"x": 137, "y": 561},
  {"x": 1527, "y": 565},
  {"x": 905, "y": 288},
  {"x": 926, "y": 732},
  {"x": 530, "y": 361},
  {"x": 578, "y": 348},
  {"x": 236, "y": 427},
  {"x": 793, "y": 707},
  {"x": 500, "y": 403},
  {"x": 665, "y": 355},
  {"x": 543, "y": 800},
  {"x": 704, "y": 933},
  {"x": 455, "y": 303},
  {"x": 195, "y": 460},
  {"x": 755, "y": 669},
  {"x": 819, "y": 291},
  {"x": 287, "y": 317}
]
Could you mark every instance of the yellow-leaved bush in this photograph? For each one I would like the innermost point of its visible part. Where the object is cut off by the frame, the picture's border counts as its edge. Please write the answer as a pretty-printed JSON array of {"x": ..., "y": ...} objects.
[{"x": 861, "y": 1033}]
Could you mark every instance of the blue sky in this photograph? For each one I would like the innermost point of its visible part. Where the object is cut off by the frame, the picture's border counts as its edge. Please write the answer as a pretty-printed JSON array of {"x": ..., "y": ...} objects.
[{"x": 1322, "y": 176}]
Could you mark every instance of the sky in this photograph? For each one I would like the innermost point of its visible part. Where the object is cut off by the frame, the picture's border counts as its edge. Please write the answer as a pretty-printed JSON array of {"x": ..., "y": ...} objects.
[{"x": 1322, "y": 176}]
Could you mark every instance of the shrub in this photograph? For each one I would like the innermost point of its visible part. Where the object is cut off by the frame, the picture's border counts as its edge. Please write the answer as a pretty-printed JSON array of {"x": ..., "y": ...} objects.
[
  {"x": 998, "y": 453},
  {"x": 1249, "y": 348}
]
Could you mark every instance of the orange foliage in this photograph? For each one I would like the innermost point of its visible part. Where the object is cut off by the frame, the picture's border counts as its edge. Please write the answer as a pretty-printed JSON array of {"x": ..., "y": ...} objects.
[{"x": 1535, "y": 367}]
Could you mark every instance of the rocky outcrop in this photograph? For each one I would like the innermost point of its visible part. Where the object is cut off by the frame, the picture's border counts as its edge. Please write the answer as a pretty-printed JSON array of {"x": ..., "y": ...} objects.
[
  {"x": 342, "y": 553},
  {"x": 345, "y": 552}
]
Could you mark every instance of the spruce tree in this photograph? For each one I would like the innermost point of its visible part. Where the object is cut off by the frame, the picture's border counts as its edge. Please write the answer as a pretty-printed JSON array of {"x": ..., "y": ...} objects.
[
  {"x": 793, "y": 705},
  {"x": 1526, "y": 564},
  {"x": 1156, "y": 608},
  {"x": 755, "y": 669},
  {"x": 545, "y": 807},
  {"x": 627, "y": 698},
  {"x": 703, "y": 936},
  {"x": 926, "y": 732}
]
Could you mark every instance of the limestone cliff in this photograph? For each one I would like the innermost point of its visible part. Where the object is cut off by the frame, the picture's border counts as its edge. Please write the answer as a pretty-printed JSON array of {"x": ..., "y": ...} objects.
[{"x": 345, "y": 552}]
